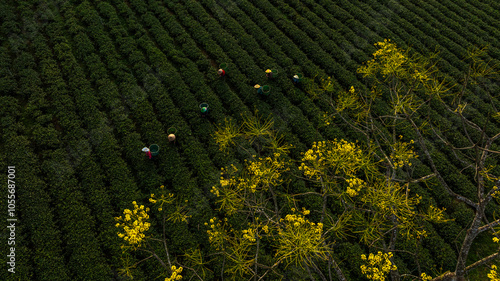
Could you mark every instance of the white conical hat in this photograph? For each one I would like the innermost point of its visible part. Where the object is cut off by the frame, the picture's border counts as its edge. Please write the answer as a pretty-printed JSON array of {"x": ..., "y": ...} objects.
[
  {"x": 145, "y": 149},
  {"x": 296, "y": 76}
]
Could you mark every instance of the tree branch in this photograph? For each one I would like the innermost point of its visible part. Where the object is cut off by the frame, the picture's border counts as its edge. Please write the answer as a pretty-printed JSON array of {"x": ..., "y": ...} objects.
[
  {"x": 156, "y": 256},
  {"x": 483, "y": 261},
  {"x": 434, "y": 169},
  {"x": 319, "y": 271},
  {"x": 424, "y": 178},
  {"x": 165, "y": 241},
  {"x": 489, "y": 226},
  {"x": 194, "y": 271}
]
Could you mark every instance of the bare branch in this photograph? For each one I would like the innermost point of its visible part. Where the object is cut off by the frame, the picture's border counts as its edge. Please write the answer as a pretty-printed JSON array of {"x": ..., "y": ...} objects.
[
  {"x": 270, "y": 268},
  {"x": 165, "y": 241},
  {"x": 308, "y": 193},
  {"x": 483, "y": 261},
  {"x": 495, "y": 137},
  {"x": 156, "y": 256},
  {"x": 424, "y": 178},
  {"x": 488, "y": 150},
  {"x": 434, "y": 169},
  {"x": 194, "y": 271},
  {"x": 489, "y": 226}
]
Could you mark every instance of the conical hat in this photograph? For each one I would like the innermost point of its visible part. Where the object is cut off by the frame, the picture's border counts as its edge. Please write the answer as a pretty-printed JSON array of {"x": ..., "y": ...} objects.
[
  {"x": 145, "y": 149},
  {"x": 296, "y": 76},
  {"x": 256, "y": 86},
  {"x": 204, "y": 109},
  {"x": 268, "y": 71}
]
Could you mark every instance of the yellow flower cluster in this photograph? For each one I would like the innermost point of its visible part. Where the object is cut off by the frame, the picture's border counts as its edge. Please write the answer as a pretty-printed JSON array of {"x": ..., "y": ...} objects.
[
  {"x": 249, "y": 234},
  {"x": 355, "y": 186},
  {"x": 388, "y": 60},
  {"x": 402, "y": 154},
  {"x": 225, "y": 134},
  {"x": 299, "y": 239},
  {"x": 178, "y": 214},
  {"x": 175, "y": 274},
  {"x": 496, "y": 115},
  {"x": 265, "y": 228},
  {"x": 326, "y": 118},
  {"x": 460, "y": 108},
  {"x": 425, "y": 277},
  {"x": 435, "y": 214},
  {"x": 390, "y": 198},
  {"x": 134, "y": 224},
  {"x": 227, "y": 179},
  {"x": 235, "y": 185},
  {"x": 229, "y": 190},
  {"x": 164, "y": 198},
  {"x": 326, "y": 84},
  {"x": 347, "y": 100},
  {"x": 493, "y": 275},
  {"x": 496, "y": 193},
  {"x": 305, "y": 212},
  {"x": 217, "y": 232},
  {"x": 378, "y": 266},
  {"x": 336, "y": 156},
  {"x": 265, "y": 172}
]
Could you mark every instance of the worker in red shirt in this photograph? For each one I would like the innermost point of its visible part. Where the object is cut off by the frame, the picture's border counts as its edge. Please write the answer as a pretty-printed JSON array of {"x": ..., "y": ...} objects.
[
  {"x": 148, "y": 153},
  {"x": 221, "y": 72}
]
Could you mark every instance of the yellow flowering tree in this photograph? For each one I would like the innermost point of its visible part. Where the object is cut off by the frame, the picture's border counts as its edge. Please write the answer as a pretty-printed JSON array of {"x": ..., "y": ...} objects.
[
  {"x": 135, "y": 223},
  {"x": 376, "y": 207},
  {"x": 251, "y": 188},
  {"x": 411, "y": 83},
  {"x": 340, "y": 169}
]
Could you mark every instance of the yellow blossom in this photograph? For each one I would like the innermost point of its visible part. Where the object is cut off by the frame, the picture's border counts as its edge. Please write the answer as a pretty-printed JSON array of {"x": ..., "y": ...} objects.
[
  {"x": 378, "y": 266},
  {"x": 493, "y": 275},
  {"x": 300, "y": 238},
  {"x": 134, "y": 224},
  {"x": 425, "y": 277},
  {"x": 175, "y": 274},
  {"x": 402, "y": 154}
]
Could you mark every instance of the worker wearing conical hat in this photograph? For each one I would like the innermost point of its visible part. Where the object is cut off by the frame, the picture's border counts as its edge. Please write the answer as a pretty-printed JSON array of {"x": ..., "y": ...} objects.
[
  {"x": 147, "y": 151},
  {"x": 269, "y": 73},
  {"x": 296, "y": 79},
  {"x": 259, "y": 89},
  {"x": 171, "y": 137},
  {"x": 221, "y": 72}
]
